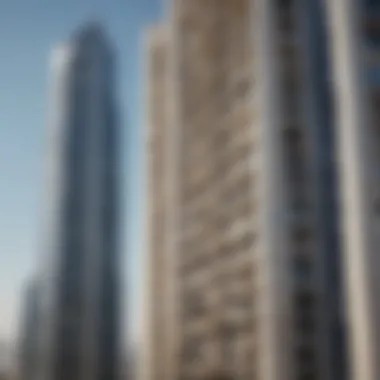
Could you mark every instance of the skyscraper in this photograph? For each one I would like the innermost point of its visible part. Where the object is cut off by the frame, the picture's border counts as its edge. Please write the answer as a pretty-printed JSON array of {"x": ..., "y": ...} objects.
[
  {"x": 248, "y": 280},
  {"x": 29, "y": 333},
  {"x": 355, "y": 50},
  {"x": 81, "y": 255}
]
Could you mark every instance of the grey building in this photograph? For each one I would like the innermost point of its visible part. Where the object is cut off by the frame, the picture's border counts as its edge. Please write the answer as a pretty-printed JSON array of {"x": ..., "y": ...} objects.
[{"x": 80, "y": 269}]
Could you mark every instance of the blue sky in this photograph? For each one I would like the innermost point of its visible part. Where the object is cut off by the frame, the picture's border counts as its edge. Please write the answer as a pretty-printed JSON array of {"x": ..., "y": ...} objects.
[{"x": 29, "y": 29}]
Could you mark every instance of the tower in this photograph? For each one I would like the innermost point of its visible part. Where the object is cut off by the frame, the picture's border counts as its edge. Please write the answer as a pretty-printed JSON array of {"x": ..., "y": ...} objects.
[
  {"x": 251, "y": 270},
  {"x": 30, "y": 332},
  {"x": 81, "y": 255}
]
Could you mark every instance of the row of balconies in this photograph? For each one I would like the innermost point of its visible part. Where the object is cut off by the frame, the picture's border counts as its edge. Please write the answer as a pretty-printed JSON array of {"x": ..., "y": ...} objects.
[
  {"x": 230, "y": 229},
  {"x": 200, "y": 305},
  {"x": 208, "y": 180},
  {"x": 234, "y": 139},
  {"x": 239, "y": 325},
  {"x": 201, "y": 116},
  {"x": 226, "y": 224},
  {"x": 216, "y": 244},
  {"x": 238, "y": 267},
  {"x": 238, "y": 169},
  {"x": 206, "y": 119},
  {"x": 235, "y": 306}
]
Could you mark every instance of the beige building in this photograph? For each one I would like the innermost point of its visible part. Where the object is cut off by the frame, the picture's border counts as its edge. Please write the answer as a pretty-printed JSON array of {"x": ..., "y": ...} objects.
[
  {"x": 355, "y": 32},
  {"x": 237, "y": 212}
]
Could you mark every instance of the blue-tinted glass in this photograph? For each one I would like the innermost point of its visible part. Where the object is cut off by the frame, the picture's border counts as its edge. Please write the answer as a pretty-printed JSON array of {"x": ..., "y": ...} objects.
[
  {"x": 374, "y": 76},
  {"x": 372, "y": 4}
]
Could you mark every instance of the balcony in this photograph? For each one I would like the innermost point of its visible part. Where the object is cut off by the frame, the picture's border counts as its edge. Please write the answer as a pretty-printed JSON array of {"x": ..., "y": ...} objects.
[{"x": 191, "y": 264}]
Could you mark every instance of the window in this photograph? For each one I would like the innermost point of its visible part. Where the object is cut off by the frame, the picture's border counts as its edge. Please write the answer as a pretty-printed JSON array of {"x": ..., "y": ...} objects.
[
  {"x": 296, "y": 171},
  {"x": 299, "y": 202},
  {"x": 371, "y": 4},
  {"x": 293, "y": 146},
  {"x": 305, "y": 323},
  {"x": 301, "y": 234},
  {"x": 305, "y": 301},
  {"x": 302, "y": 267},
  {"x": 292, "y": 137},
  {"x": 284, "y": 5},
  {"x": 290, "y": 85},
  {"x": 306, "y": 356},
  {"x": 374, "y": 77},
  {"x": 289, "y": 52},
  {"x": 286, "y": 16}
]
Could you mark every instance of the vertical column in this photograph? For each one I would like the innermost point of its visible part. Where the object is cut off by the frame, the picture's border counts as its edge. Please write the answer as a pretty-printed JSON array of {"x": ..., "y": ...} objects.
[
  {"x": 316, "y": 127},
  {"x": 93, "y": 158},
  {"x": 145, "y": 365},
  {"x": 154, "y": 364},
  {"x": 57, "y": 139},
  {"x": 171, "y": 193},
  {"x": 360, "y": 252},
  {"x": 274, "y": 310}
]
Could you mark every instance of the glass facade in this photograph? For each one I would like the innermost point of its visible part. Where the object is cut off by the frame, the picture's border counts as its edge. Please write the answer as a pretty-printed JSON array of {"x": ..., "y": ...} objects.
[{"x": 85, "y": 328}]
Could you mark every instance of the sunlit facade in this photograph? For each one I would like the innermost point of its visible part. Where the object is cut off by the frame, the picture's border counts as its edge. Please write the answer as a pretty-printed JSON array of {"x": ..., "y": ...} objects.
[{"x": 251, "y": 272}]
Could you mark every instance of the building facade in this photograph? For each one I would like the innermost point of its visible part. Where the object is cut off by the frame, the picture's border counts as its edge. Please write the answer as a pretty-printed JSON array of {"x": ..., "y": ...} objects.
[
  {"x": 251, "y": 272},
  {"x": 80, "y": 272},
  {"x": 355, "y": 35}
]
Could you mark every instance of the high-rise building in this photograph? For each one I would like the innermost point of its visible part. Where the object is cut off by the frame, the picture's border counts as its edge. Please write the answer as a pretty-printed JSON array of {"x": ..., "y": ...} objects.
[
  {"x": 244, "y": 267},
  {"x": 28, "y": 360},
  {"x": 81, "y": 255},
  {"x": 355, "y": 50}
]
